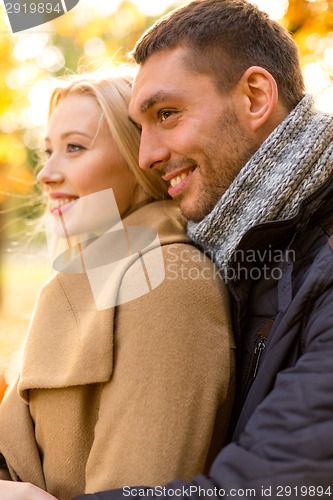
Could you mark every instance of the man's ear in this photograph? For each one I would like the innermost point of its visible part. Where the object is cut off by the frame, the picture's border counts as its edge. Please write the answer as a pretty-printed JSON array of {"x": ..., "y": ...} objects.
[{"x": 260, "y": 96}]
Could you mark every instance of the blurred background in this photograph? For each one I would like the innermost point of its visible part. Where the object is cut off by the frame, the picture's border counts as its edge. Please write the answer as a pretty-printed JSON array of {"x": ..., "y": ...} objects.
[{"x": 93, "y": 33}]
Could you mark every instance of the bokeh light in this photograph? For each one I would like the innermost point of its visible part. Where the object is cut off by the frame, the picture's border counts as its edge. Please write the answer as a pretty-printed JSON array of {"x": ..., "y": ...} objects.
[
  {"x": 152, "y": 7},
  {"x": 39, "y": 96},
  {"x": 29, "y": 46},
  {"x": 276, "y": 9},
  {"x": 22, "y": 75},
  {"x": 94, "y": 47},
  {"x": 101, "y": 8},
  {"x": 51, "y": 58}
]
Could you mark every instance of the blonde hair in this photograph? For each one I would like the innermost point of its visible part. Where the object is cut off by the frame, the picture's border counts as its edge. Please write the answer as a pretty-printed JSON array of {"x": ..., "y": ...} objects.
[{"x": 112, "y": 91}]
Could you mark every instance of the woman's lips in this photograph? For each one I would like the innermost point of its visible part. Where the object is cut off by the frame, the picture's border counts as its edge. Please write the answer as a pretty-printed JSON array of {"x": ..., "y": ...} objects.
[{"x": 57, "y": 205}]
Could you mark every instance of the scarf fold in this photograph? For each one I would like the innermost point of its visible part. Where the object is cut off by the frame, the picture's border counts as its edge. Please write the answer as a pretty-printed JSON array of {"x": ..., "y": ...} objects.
[{"x": 291, "y": 164}]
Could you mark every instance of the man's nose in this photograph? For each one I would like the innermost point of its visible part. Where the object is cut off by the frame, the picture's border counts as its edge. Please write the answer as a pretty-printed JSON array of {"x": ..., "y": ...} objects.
[{"x": 153, "y": 152}]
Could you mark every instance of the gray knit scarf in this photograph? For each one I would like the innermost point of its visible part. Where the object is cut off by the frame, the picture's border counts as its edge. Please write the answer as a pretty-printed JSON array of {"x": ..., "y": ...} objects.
[{"x": 293, "y": 161}]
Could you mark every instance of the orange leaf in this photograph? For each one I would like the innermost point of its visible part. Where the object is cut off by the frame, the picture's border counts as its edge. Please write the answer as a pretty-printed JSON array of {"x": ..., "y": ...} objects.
[{"x": 3, "y": 386}]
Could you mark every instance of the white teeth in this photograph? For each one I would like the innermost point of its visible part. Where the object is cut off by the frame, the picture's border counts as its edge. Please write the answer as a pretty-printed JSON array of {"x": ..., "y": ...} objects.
[
  {"x": 59, "y": 202},
  {"x": 177, "y": 180}
]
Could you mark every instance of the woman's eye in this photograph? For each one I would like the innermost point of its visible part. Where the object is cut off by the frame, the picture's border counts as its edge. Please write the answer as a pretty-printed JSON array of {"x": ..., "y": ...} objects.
[
  {"x": 73, "y": 148},
  {"x": 47, "y": 153}
]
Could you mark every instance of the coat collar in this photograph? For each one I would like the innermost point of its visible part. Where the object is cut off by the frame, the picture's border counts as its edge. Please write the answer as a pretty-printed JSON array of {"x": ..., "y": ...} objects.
[{"x": 70, "y": 340}]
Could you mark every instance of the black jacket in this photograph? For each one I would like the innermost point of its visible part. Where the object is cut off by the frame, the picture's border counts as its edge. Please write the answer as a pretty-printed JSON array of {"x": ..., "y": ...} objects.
[{"x": 282, "y": 288}]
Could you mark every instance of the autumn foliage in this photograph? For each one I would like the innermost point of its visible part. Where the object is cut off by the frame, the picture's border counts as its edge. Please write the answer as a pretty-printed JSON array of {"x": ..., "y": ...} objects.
[{"x": 3, "y": 386}]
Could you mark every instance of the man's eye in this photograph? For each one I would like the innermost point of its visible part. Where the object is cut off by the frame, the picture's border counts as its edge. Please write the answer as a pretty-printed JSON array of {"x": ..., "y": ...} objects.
[
  {"x": 47, "y": 153},
  {"x": 73, "y": 148},
  {"x": 164, "y": 114}
]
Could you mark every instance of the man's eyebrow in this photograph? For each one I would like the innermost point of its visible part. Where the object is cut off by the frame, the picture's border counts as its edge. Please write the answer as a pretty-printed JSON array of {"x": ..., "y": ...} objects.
[{"x": 159, "y": 96}]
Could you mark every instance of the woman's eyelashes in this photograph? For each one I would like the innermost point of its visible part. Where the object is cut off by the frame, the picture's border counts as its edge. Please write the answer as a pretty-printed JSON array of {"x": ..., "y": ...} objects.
[
  {"x": 74, "y": 148},
  {"x": 69, "y": 148}
]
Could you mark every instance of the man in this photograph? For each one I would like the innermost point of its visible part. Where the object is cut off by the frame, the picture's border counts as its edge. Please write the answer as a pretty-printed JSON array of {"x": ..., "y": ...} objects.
[{"x": 220, "y": 101}]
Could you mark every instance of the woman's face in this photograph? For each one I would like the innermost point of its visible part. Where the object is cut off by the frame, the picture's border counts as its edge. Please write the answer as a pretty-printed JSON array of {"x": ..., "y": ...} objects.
[{"x": 83, "y": 163}]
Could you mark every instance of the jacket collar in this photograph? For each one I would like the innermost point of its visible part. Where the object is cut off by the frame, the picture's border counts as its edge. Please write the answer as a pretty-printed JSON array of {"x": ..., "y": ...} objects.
[{"x": 279, "y": 234}]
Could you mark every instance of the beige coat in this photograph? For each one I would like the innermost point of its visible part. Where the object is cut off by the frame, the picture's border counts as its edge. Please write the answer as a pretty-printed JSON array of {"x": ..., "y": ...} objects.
[{"x": 139, "y": 393}]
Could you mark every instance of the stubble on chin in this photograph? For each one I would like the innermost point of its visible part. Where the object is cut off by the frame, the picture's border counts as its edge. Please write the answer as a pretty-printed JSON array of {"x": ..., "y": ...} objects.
[{"x": 199, "y": 209}]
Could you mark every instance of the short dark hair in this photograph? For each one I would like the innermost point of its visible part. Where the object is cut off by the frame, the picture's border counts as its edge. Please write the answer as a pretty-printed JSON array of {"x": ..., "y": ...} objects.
[{"x": 224, "y": 38}]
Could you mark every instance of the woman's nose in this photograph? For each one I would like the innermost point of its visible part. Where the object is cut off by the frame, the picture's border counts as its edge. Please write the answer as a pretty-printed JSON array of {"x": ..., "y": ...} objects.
[{"x": 50, "y": 174}]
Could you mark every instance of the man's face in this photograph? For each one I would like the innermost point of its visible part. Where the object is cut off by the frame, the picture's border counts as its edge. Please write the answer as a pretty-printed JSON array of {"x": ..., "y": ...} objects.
[{"x": 190, "y": 131}]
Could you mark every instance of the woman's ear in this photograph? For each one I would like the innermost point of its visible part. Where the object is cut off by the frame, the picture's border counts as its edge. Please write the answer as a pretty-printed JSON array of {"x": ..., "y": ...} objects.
[{"x": 260, "y": 95}]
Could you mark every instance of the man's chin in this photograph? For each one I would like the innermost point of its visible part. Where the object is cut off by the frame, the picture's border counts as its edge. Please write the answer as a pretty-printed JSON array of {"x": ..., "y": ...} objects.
[{"x": 192, "y": 213}]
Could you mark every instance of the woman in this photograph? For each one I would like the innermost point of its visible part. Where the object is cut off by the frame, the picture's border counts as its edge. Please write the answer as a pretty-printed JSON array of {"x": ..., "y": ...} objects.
[{"x": 129, "y": 365}]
